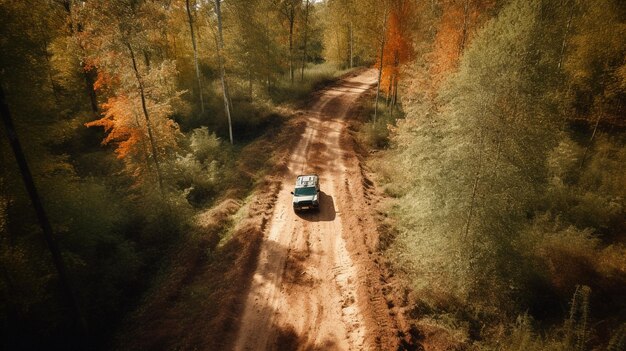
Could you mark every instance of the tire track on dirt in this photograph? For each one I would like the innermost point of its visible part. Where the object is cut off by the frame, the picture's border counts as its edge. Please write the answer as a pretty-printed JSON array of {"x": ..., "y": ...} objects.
[{"x": 307, "y": 292}]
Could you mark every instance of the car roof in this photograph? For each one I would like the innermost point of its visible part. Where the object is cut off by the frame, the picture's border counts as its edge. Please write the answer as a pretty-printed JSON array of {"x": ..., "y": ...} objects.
[{"x": 304, "y": 181}]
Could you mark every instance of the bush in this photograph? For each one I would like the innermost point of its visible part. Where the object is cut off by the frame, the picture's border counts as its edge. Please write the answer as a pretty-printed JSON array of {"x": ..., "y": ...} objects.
[
  {"x": 376, "y": 134},
  {"x": 199, "y": 173},
  {"x": 204, "y": 145}
]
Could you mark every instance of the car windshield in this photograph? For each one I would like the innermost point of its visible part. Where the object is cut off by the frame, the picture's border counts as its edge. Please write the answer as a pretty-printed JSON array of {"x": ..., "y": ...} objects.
[{"x": 305, "y": 191}]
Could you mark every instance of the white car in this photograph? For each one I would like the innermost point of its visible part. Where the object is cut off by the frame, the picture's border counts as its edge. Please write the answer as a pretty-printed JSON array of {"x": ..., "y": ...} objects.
[{"x": 306, "y": 193}]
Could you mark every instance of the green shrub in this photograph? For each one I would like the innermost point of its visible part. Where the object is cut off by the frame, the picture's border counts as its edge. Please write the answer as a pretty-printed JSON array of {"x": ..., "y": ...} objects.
[
  {"x": 377, "y": 134},
  {"x": 199, "y": 173},
  {"x": 204, "y": 145}
]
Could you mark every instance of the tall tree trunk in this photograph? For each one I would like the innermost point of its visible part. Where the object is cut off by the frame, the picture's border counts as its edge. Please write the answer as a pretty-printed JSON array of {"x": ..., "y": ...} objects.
[
  {"x": 392, "y": 102},
  {"x": 53, "y": 85},
  {"x": 42, "y": 218},
  {"x": 380, "y": 67},
  {"x": 146, "y": 58},
  {"x": 195, "y": 55},
  {"x": 306, "y": 33},
  {"x": 470, "y": 211},
  {"x": 465, "y": 26},
  {"x": 153, "y": 145},
  {"x": 595, "y": 129},
  {"x": 567, "y": 27},
  {"x": 388, "y": 97},
  {"x": 292, "y": 19},
  {"x": 267, "y": 53},
  {"x": 250, "y": 84},
  {"x": 87, "y": 72},
  {"x": 144, "y": 147},
  {"x": 351, "y": 46},
  {"x": 89, "y": 81},
  {"x": 394, "y": 88},
  {"x": 395, "y": 92},
  {"x": 220, "y": 46}
]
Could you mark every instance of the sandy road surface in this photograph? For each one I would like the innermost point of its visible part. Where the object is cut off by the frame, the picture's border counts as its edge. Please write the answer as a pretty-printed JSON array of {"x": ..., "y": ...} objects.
[{"x": 314, "y": 287}]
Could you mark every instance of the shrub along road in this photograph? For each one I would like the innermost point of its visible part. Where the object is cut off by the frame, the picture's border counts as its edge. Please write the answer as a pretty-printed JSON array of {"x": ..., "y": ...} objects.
[{"x": 316, "y": 285}]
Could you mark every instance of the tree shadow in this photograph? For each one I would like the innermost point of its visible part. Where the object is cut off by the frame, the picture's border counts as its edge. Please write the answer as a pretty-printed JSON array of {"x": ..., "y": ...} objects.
[
  {"x": 287, "y": 339},
  {"x": 283, "y": 336},
  {"x": 326, "y": 212}
]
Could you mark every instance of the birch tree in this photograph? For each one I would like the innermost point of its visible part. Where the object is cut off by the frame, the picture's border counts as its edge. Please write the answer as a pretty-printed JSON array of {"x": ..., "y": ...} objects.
[
  {"x": 195, "y": 55},
  {"x": 220, "y": 57},
  {"x": 381, "y": 60},
  {"x": 306, "y": 33}
]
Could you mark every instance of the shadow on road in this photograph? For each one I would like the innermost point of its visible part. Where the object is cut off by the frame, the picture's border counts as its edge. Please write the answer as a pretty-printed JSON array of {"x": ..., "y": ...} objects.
[
  {"x": 287, "y": 339},
  {"x": 326, "y": 212}
]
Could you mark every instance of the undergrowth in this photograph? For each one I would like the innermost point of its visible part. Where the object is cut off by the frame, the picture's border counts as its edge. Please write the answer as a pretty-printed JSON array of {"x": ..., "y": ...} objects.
[{"x": 315, "y": 76}]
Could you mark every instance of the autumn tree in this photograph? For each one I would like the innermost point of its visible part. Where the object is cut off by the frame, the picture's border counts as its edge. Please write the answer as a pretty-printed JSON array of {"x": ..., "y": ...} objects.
[
  {"x": 478, "y": 178},
  {"x": 220, "y": 48},
  {"x": 136, "y": 115},
  {"x": 398, "y": 47},
  {"x": 458, "y": 21},
  {"x": 592, "y": 53},
  {"x": 338, "y": 14},
  {"x": 87, "y": 216}
]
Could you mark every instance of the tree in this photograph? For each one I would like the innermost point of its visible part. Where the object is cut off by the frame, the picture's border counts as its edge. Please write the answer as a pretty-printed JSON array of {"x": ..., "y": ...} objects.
[
  {"x": 595, "y": 65},
  {"x": 289, "y": 9},
  {"x": 257, "y": 51},
  {"x": 76, "y": 34},
  {"x": 453, "y": 36},
  {"x": 381, "y": 62},
  {"x": 479, "y": 180},
  {"x": 137, "y": 87},
  {"x": 195, "y": 54},
  {"x": 397, "y": 46},
  {"x": 306, "y": 37},
  {"x": 42, "y": 218},
  {"x": 220, "y": 47}
]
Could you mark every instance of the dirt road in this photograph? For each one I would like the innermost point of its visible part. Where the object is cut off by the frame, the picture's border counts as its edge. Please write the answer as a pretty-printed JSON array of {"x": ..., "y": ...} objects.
[{"x": 315, "y": 286}]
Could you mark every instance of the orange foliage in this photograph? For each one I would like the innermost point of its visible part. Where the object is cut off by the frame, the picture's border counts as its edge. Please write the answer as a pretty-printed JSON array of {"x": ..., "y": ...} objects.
[
  {"x": 459, "y": 20},
  {"x": 103, "y": 80},
  {"x": 121, "y": 125},
  {"x": 398, "y": 46}
]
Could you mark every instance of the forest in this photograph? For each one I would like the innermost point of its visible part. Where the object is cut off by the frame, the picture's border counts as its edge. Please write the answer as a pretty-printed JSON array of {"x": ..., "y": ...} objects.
[
  {"x": 508, "y": 176},
  {"x": 496, "y": 131}
]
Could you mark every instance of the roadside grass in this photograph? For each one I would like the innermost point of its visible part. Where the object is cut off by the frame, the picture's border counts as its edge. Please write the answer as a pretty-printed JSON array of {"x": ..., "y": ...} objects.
[{"x": 315, "y": 76}]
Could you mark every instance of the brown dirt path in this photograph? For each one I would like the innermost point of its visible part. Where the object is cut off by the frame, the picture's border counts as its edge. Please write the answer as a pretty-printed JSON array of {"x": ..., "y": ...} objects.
[{"x": 316, "y": 285}]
